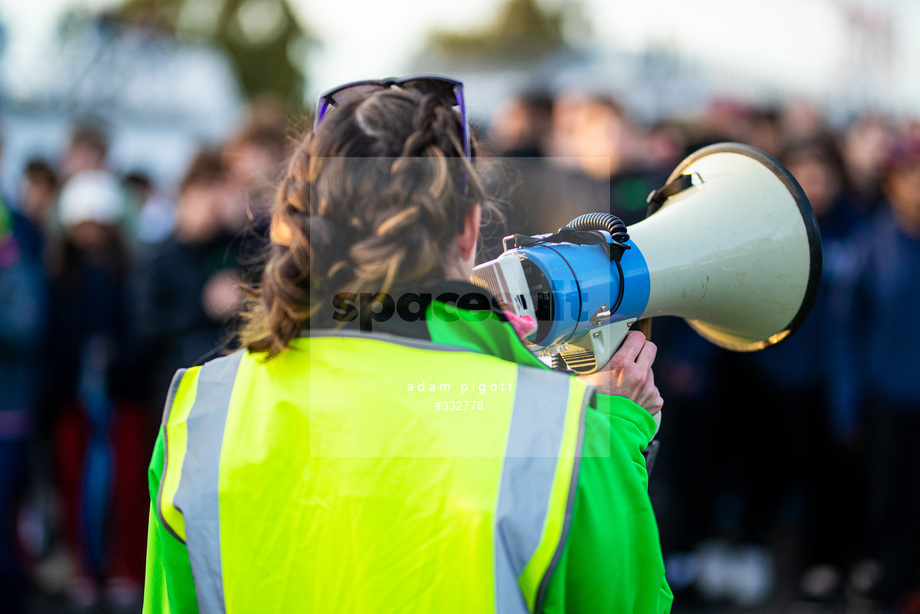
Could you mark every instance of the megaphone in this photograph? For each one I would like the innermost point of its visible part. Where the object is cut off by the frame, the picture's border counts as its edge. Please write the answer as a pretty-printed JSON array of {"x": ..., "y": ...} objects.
[{"x": 733, "y": 248}]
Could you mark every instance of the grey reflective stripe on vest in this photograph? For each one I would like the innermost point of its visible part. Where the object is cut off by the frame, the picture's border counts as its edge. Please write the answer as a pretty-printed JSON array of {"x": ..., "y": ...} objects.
[
  {"x": 534, "y": 441},
  {"x": 197, "y": 496},
  {"x": 569, "y": 505},
  {"x": 170, "y": 399}
]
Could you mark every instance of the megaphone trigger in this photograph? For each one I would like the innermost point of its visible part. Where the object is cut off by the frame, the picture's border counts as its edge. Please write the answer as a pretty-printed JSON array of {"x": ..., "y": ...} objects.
[
  {"x": 595, "y": 349},
  {"x": 644, "y": 326}
]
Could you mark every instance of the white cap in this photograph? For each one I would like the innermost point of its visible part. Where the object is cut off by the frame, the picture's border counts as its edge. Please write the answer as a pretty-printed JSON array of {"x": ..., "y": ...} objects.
[{"x": 91, "y": 196}]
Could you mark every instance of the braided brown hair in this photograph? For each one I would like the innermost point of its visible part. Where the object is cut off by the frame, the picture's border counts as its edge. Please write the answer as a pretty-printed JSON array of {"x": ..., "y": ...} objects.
[{"x": 373, "y": 201}]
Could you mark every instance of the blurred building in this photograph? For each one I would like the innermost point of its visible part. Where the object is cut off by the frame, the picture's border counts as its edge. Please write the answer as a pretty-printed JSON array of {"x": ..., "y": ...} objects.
[
  {"x": 158, "y": 97},
  {"x": 843, "y": 56}
]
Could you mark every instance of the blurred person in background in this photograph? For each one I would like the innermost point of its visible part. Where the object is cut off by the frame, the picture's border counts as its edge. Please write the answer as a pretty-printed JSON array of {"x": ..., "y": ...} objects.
[
  {"x": 800, "y": 392},
  {"x": 155, "y": 216},
  {"x": 686, "y": 482},
  {"x": 723, "y": 120},
  {"x": 764, "y": 130},
  {"x": 21, "y": 324},
  {"x": 37, "y": 230},
  {"x": 607, "y": 146},
  {"x": 866, "y": 143},
  {"x": 92, "y": 416},
  {"x": 187, "y": 286},
  {"x": 561, "y": 144},
  {"x": 38, "y": 192},
  {"x": 884, "y": 321},
  {"x": 254, "y": 160},
  {"x": 595, "y": 164},
  {"x": 801, "y": 119},
  {"x": 795, "y": 459},
  {"x": 86, "y": 150},
  {"x": 765, "y": 127},
  {"x": 664, "y": 145},
  {"x": 522, "y": 126},
  {"x": 535, "y": 188}
]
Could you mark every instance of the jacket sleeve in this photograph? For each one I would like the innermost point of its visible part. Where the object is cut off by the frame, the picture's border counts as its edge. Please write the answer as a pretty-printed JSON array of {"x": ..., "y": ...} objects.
[
  {"x": 169, "y": 587},
  {"x": 611, "y": 561}
]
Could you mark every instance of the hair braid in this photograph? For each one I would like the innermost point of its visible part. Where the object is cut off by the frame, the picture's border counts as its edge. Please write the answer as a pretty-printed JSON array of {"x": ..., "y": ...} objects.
[
  {"x": 282, "y": 303},
  {"x": 372, "y": 201}
]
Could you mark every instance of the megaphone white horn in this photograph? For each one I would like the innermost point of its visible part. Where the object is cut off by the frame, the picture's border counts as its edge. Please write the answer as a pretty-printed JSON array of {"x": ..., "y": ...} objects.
[
  {"x": 738, "y": 254},
  {"x": 734, "y": 248}
]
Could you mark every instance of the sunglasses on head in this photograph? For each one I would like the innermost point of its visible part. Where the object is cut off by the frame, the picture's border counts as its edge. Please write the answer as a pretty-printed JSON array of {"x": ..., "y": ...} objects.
[{"x": 449, "y": 90}]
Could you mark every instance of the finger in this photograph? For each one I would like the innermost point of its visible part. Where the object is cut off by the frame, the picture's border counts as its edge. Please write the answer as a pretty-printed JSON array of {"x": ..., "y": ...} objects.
[
  {"x": 631, "y": 347},
  {"x": 647, "y": 355}
]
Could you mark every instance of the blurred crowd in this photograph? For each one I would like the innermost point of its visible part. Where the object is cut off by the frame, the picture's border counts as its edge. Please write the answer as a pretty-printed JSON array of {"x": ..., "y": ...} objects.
[
  {"x": 110, "y": 285},
  {"x": 797, "y": 462},
  {"x": 794, "y": 469}
]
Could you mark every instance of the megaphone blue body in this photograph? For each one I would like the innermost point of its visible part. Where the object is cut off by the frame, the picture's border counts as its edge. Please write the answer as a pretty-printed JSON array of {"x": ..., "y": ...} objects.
[
  {"x": 602, "y": 288},
  {"x": 734, "y": 249}
]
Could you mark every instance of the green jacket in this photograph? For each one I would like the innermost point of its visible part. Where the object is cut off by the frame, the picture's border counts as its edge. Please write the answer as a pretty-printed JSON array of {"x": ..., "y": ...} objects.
[{"x": 610, "y": 558}]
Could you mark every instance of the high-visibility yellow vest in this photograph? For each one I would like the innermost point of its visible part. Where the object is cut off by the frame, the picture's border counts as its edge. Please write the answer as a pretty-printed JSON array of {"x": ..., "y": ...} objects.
[{"x": 366, "y": 473}]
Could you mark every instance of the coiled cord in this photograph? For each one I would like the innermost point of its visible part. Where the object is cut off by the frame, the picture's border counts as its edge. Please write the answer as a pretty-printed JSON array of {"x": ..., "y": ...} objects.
[{"x": 601, "y": 221}]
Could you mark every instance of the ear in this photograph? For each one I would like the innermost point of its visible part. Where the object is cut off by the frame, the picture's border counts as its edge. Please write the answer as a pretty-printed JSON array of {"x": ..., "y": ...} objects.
[{"x": 466, "y": 240}]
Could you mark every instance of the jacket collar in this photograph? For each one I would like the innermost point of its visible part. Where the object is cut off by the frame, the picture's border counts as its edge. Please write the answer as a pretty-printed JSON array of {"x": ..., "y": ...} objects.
[{"x": 451, "y": 313}]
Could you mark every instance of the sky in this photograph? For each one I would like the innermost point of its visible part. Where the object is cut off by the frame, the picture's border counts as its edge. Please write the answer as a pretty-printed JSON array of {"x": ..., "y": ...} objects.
[
  {"x": 797, "y": 42},
  {"x": 718, "y": 30}
]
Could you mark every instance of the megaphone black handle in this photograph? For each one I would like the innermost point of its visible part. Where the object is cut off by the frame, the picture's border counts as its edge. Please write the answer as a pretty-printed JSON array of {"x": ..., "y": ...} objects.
[
  {"x": 645, "y": 327},
  {"x": 675, "y": 186},
  {"x": 650, "y": 453}
]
